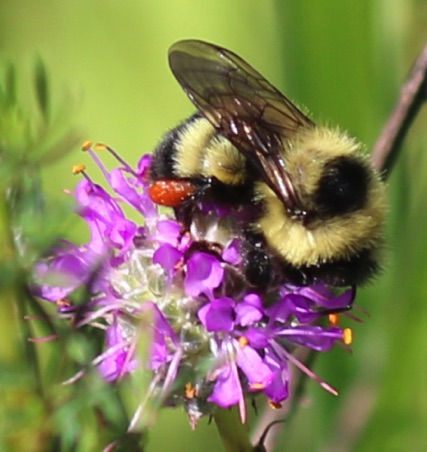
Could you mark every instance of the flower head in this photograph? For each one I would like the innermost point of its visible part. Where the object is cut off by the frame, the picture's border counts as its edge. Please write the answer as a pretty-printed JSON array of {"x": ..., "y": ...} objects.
[{"x": 214, "y": 339}]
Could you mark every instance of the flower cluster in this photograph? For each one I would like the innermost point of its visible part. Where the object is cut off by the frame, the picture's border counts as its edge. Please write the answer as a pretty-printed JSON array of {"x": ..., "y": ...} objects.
[{"x": 213, "y": 339}]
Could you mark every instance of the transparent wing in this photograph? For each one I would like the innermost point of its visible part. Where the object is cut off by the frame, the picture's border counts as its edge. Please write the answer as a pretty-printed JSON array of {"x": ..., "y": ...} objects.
[{"x": 243, "y": 106}]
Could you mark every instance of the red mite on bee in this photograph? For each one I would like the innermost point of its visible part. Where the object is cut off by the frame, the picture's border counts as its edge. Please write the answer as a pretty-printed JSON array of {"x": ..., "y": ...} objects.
[{"x": 315, "y": 207}]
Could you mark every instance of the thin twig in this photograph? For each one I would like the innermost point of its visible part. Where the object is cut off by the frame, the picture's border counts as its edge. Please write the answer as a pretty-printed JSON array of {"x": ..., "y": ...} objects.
[{"x": 412, "y": 96}]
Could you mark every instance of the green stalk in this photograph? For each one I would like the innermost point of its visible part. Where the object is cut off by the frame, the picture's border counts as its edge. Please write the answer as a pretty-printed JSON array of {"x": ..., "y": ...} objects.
[{"x": 234, "y": 435}]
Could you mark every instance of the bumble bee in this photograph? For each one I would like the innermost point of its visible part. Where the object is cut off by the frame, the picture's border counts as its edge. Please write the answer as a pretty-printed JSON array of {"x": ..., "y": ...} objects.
[{"x": 316, "y": 207}]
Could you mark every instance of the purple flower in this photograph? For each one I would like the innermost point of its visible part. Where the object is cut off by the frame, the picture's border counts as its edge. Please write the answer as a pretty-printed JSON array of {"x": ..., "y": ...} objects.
[
  {"x": 117, "y": 361},
  {"x": 218, "y": 315},
  {"x": 106, "y": 220},
  {"x": 212, "y": 339},
  {"x": 250, "y": 310},
  {"x": 204, "y": 273},
  {"x": 61, "y": 274}
]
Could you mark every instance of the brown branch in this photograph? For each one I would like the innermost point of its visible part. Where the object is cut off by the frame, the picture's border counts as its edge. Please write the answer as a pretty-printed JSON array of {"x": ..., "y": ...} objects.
[{"x": 412, "y": 96}]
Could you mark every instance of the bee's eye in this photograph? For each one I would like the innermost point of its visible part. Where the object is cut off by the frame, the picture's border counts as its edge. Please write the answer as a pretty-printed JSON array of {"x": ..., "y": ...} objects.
[{"x": 342, "y": 187}]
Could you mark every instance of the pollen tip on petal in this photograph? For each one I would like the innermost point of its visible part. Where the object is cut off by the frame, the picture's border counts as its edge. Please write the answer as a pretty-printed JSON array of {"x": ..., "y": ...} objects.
[
  {"x": 243, "y": 341},
  {"x": 63, "y": 303},
  {"x": 347, "y": 336},
  {"x": 274, "y": 405},
  {"x": 87, "y": 145},
  {"x": 257, "y": 386},
  {"x": 190, "y": 391},
  {"x": 334, "y": 319},
  {"x": 179, "y": 265},
  {"x": 77, "y": 169},
  {"x": 100, "y": 147}
]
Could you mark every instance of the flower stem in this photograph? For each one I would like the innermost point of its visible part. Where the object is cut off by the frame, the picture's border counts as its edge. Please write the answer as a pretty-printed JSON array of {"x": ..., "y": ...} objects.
[{"x": 233, "y": 434}]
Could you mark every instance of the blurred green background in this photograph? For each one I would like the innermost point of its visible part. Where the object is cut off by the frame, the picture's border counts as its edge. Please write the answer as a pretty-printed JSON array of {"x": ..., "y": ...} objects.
[{"x": 345, "y": 61}]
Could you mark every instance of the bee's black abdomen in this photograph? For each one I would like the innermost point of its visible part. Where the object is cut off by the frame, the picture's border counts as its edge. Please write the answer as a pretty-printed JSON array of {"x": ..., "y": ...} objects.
[{"x": 338, "y": 272}]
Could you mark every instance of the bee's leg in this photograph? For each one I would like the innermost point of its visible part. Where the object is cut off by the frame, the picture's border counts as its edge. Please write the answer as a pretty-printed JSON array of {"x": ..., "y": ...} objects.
[
  {"x": 185, "y": 210},
  {"x": 257, "y": 262},
  {"x": 328, "y": 311},
  {"x": 184, "y": 214}
]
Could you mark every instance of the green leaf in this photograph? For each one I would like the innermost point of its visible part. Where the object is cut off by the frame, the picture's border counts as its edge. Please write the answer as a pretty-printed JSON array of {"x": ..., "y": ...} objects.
[
  {"x": 10, "y": 97},
  {"x": 42, "y": 88}
]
